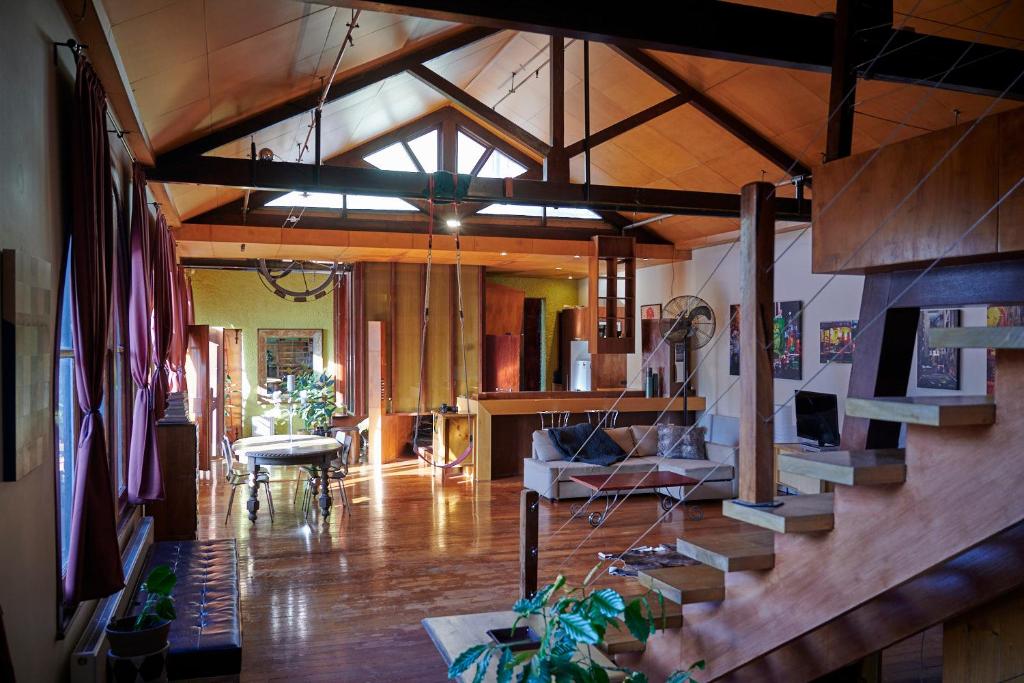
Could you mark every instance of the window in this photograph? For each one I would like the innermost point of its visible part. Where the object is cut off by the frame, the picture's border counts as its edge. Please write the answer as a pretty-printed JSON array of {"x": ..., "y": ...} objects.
[
  {"x": 66, "y": 416},
  {"x": 469, "y": 152},
  {"x": 530, "y": 210},
  {"x": 392, "y": 158},
  {"x": 327, "y": 200},
  {"x": 425, "y": 149},
  {"x": 114, "y": 418},
  {"x": 499, "y": 165}
]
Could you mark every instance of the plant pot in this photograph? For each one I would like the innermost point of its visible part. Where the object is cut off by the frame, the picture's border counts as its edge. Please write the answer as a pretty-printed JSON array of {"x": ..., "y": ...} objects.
[
  {"x": 517, "y": 639},
  {"x": 125, "y": 641}
]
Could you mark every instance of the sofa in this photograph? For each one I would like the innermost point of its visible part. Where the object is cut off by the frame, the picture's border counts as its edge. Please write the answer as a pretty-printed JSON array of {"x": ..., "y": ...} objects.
[{"x": 548, "y": 473}]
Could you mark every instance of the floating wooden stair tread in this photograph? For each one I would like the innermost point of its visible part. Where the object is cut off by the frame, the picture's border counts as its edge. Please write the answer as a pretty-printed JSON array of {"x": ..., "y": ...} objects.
[
  {"x": 686, "y": 585},
  {"x": 619, "y": 642},
  {"x": 733, "y": 551},
  {"x": 852, "y": 468},
  {"x": 934, "y": 411},
  {"x": 976, "y": 337},
  {"x": 672, "y": 617},
  {"x": 797, "y": 514}
]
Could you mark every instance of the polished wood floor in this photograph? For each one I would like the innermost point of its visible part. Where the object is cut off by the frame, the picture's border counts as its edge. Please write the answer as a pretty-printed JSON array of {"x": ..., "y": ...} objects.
[{"x": 343, "y": 601}]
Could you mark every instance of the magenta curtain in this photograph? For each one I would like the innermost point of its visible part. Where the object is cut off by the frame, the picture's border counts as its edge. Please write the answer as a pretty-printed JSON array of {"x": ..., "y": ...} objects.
[
  {"x": 163, "y": 311},
  {"x": 94, "y": 561},
  {"x": 145, "y": 480}
]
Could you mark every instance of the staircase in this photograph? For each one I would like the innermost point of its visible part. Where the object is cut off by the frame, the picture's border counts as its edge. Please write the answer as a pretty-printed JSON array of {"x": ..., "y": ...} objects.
[{"x": 776, "y": 589}]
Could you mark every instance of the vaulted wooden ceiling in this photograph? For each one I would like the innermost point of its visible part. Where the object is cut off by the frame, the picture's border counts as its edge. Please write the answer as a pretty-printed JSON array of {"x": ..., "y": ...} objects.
[{"x": 198, "y": 66}]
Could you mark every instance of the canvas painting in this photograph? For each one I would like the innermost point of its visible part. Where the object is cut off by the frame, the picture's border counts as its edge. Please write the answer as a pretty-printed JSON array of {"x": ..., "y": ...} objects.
[
  {"x": 26, "y": 344},
  {"x": 734, "y": 339},
  {"x": 837, "y": 341},
  {"x": 937, "y": 368},
  {"x": 1001, "y": 316},
  {"x": 787, "y": 340},
  {"x": 650, "y": 312}
]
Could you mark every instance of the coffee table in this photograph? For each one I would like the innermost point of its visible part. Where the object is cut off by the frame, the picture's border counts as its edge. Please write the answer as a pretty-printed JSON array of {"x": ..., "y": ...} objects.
[{"x": 615, "y": 485}]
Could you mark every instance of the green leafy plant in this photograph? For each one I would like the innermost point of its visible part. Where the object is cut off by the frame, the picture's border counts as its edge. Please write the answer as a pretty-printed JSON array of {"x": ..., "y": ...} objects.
[
  {"x": 314, "y": 393},
  {"x": 571, "y": 617},
  {"x": 159, "y": 605}
]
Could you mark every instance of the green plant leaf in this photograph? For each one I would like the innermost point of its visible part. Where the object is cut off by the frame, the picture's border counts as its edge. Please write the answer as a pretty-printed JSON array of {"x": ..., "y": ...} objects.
[
  {"x": 639, "y": 626},
  {"x": 523, "y": 606},
  {"x": 465, "y": 660},
  {"x": 160, "y": 581},
  {"x": 597, "y": 673},
  {"x": 607, "y": 602},
  {"x": 636, "y": 677},
  {"x": 506, "y": 665},
  {"x": 164, "y": 609},
  {"x": 686, "y": 676},
  {"x": 577, "y": 627},
  {"x": 540, "y": 671},
  {"x": 481, "y": 666}
]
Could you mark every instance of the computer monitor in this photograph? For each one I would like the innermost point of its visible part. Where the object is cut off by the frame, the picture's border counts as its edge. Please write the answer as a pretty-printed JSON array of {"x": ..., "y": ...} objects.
[{"x": 817, "y": 418}]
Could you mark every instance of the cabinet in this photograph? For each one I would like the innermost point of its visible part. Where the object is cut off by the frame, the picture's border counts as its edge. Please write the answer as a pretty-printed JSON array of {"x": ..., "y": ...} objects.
[
  {"x": 175, "y": 517},
  {"x": 612, "y": 295}
]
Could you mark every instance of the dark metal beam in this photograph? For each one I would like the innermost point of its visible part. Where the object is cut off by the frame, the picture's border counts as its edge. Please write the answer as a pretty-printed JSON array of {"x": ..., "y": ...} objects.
[
  {"x": 629, "y": 123},
  {"x": 715, "y": 111},
  {"x": 281, "y": 175},
  {"x": 735, "y": 32},
  {"x": 842, "y": 91},
  {"x": 374, "y": 72}
]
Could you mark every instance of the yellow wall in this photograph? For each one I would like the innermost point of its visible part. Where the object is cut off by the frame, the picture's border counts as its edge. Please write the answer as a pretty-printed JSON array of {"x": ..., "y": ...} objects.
[
  {"x": 237, "y": 299},
  {"x": 559, "y": 294}
]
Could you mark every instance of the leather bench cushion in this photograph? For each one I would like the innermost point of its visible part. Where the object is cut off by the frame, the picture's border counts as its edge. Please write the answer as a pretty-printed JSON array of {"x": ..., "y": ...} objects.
[{"x": 206, "y": 638}]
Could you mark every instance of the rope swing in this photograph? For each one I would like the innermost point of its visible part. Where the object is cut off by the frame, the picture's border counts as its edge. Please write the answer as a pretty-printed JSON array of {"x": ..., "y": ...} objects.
[{"x": 443, "y": 188}]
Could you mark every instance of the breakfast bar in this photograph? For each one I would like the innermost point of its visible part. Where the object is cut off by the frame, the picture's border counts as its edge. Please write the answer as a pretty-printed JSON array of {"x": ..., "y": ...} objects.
[{"x": 505, "y": 421}]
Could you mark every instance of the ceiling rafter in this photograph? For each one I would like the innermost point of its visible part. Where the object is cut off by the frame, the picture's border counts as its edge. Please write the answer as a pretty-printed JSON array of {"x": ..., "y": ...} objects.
[
  {"x": 629, "y": 123},
  {"x": 725, "y": 118},
  {"x": 346, "y": 84},
  {"x": 742, "y": 33}
]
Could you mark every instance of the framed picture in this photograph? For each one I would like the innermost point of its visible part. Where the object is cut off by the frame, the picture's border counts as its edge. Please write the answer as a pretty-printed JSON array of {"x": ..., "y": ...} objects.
[
  {"x": 836, "y": 341},
  {"x": 678, "y": 351},
  {"x": 937, "y": 368},
  {"x": 787, "y": 340},
  {"x": 650, "y": 312},
  {"x": 1000, "y": 316},
  {"x": 734, "y": 339},
  {"x": 284, "y": 352}
]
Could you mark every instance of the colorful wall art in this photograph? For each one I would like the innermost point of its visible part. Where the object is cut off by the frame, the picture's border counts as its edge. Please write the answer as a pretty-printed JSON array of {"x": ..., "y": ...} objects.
[
  {"x": 836, "y": 340},
  {"x": 937, "y": 368},
  {"x": 787, "y": 340}
]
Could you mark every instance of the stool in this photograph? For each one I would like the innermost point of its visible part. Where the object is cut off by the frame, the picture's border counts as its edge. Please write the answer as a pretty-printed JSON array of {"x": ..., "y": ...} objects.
[
  {"x": 550, "y": 419},
  {"x": 609, "y": 417}
]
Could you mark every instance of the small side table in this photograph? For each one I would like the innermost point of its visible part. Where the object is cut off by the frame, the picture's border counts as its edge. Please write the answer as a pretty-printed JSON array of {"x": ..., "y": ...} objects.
[{"x": 453, "y": 434}]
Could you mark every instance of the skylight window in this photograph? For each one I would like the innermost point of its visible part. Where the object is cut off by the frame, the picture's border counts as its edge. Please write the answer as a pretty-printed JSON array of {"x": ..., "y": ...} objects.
[
  {"x": 392, "y": 158},
  {"x": 537, "y": 211},
  {"x": 326, "y": 200},
  {"x": 469, "y": 152},
  {"x": 425, "y": 149},
  {"x": 499, "y": 165}
]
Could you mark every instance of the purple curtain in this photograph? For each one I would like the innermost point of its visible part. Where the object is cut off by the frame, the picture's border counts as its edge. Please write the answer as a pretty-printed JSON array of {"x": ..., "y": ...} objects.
[
  {"x": 179, "y": 334},
  {"x": 94, "y": 561},
  {"x": 163, "y": 310},
  {"x": 145, "y": 480}
]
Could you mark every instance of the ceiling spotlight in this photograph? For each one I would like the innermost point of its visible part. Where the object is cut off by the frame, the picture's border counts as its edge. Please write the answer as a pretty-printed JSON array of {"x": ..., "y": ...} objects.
[
  {"x": 576, "y": 256},
  {"x": 266, "y": 154},
  {"x": 504, "y": 253},
  {"x": 558, "y": 267},
  {"x": 570, "y": 277},
  {"x": 453, "y": 223}
]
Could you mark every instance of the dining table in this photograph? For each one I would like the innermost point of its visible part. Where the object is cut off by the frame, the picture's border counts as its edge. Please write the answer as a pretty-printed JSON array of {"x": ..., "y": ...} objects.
[{"x": 282, "y": 450}]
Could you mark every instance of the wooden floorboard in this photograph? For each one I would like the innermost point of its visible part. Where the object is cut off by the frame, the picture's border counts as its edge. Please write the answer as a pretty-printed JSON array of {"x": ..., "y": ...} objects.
[{"x": 344, "y": 602}]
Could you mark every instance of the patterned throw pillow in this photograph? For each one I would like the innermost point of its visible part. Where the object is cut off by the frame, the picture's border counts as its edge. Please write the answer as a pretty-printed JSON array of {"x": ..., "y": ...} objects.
[{"x": 675, "y": 441}]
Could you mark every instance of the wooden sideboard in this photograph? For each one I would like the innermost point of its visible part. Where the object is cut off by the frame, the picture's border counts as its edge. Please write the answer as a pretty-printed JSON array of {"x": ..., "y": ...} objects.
[{"x": 175, "y": 517}]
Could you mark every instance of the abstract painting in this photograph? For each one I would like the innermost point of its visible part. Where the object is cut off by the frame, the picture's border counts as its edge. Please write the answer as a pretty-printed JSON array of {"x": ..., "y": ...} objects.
[
  {"x": 734, "y": 339},
  {"x": 937, "y": 368},
  {"x": 26, "y": 345},
  {"x": 837, "y": 341},
  {"x": 1001, "y": 316},
  {"x": 787, "y": 340}
]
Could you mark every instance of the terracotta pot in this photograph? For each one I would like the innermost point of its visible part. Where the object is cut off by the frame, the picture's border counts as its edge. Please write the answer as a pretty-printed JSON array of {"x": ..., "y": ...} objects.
[{"x": 127, "y": 642}]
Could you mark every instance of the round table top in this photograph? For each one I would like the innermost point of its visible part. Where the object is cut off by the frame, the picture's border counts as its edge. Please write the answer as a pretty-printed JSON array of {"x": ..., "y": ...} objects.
[{"x": 283, "y": 446}]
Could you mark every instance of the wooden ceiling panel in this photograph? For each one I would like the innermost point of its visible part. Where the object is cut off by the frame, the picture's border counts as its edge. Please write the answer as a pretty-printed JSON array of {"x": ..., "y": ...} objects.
[
  {"x": 462, "y": 66},
  {"x": 700, "y": 72},
  {"x": 180, "y": 125},
  {"x": 119, "y": 11},
  {"x": 160, "y": 40},
  {"x": 233, "y": 21},
  {"x": 173, "y": 89},
  {"x": 984, "y": 21},
  {"x": 696, "y": 133},
  {"x": 770, "y": 100},
  {"x": 671, "y": 157},
  {"x": 745, "y": 166},
  {"x": 702, "y": 179}
]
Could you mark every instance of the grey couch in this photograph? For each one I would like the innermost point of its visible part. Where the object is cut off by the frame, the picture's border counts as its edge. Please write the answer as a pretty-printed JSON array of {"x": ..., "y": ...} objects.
[{"x": 546, "y": 472}]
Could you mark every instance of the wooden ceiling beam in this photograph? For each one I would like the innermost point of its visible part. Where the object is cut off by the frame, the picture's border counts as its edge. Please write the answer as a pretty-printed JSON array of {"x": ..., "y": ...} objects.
[
  {"x": 282, "y": 175},
  {"x": 740, "y": 33},
  {"x": 629, "y": 123},
  {"x": 664, "y": 74},
  {"x": 479, "y": 109},
  {"x": 346, "y": 84}
]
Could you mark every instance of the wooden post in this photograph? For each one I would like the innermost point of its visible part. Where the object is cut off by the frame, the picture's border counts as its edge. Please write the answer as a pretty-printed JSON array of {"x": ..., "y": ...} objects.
[
  {"x": 529, "y": 516},
  {"x": 843, "y": 84},
  {"x": 757, "y": 296},
  {"x": 556, "y": 165}
]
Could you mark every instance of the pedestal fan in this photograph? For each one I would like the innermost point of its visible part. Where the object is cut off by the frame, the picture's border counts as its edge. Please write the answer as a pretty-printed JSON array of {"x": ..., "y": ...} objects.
[{"x": 686, "y": 320}]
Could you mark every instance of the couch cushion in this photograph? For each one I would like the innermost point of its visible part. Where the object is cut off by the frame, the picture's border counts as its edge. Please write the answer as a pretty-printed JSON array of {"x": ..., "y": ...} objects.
[
  {"x": 698, "y": 469},
  {"x": 725, "y": 430},
  {"x": 585, "y": 443},
  {"x": 569, "y": 468},
  {"x": 543, "y": 448},
  {"x": 646, "y": 440},
  {"x": 622, "y": 436},
  {"x": 676, "y": 441}
]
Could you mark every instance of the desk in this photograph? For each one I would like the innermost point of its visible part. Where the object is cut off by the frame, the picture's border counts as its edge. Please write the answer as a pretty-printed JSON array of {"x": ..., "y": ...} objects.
[
  {"x": 504, "y": 426},
  {"x": 800, "y": 482},
  {"x": 317, "y": 451}
]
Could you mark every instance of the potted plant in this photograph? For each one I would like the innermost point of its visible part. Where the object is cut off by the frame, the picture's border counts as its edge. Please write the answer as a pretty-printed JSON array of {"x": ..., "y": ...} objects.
[
  {"x": 314, "y": 393},
  {"x": 571, "y": 619},
  {"x": 146, "y": 633}
]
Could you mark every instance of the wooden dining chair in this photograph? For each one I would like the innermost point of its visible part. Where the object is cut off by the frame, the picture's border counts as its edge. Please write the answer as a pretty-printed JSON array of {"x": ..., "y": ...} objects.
[
  {"x": 235, "y": 474},
  {"x": 337, "y": 472}
]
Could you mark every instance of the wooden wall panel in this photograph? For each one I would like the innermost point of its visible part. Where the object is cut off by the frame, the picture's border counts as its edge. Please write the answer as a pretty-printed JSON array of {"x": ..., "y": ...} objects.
[
  {"x": 439, "y": 340},
  {"x": 1011, "y": 169},
  {"x": 504, "y": 310},
  {"x": 472, "y": 295},
  {"x": 502, "y": 372},
  {"x": 986, "y": 644},
  {"x": 533, "y": 345},
  {"x": 608, "y": 371},
  {"x": 959, "y": 192},
  {"x": 378, "y": 291},
  {"x": 406, "y": 339}
]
